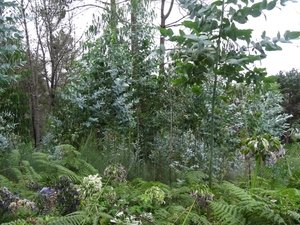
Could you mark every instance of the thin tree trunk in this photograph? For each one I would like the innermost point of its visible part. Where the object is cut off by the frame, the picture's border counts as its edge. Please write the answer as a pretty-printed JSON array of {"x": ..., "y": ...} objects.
[
  {"x": 163, "y": 19},
  {"x": 35, "y": 113}
]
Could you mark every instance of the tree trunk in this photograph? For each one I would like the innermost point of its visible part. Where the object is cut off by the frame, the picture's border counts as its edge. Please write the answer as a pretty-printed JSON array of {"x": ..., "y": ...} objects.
[
  {"x": 35, "y": 113},
  {"x": 163, "y": 19}
]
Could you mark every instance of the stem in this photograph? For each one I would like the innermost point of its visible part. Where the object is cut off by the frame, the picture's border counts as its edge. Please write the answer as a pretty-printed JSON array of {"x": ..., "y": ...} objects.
[
  {"x": 187, "y": 215},
  {"x": 254, "y": 178},
  {"x": 171, "y": 140},
  {"x": 212, "y": 123}
]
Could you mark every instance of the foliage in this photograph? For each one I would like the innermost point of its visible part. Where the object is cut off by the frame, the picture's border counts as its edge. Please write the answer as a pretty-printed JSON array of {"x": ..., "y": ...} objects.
[
  {"x": 14, "y": 101},
  {"x": 245, "y": 208},
  {"x": 91, "y": 185},
  {"x": 288, "y": 82},
  {"x": 67, "y": 196},
  {"x": 6, "y": 198},
  {"x": 129, "y": 123},
  {"x": 45, "y": 200},
  {"x": 116, "y": 172}
]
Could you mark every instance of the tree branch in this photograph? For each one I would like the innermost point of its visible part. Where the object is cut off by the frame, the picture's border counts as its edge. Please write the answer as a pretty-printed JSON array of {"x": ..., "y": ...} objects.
[
  {"x": 171, "y": 24},
  {"x": 86, "y": 5}
]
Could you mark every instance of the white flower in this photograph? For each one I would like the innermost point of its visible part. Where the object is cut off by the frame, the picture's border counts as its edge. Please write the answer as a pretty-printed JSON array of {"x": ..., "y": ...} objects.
[{"x": 91, "y": 184}]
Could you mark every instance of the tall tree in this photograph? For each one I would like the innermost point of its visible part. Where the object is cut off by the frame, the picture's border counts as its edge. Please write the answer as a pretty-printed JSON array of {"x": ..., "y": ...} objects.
[
  {"x": 51, "y": 51},
  {"x": 211, "y": 51},
  {"x": 289, "y": 82}
]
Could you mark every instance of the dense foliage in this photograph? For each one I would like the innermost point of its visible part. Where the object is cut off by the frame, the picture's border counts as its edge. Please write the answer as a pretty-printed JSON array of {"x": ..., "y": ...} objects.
[{"x": 188, "y": 132}]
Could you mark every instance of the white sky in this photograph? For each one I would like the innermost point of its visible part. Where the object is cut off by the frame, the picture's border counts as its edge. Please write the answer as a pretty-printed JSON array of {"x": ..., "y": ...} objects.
[{"x": 279, "y": 19}]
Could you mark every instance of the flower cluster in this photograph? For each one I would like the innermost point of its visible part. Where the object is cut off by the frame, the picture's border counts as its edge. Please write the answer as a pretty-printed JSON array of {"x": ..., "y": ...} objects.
[
  {"x": 67, "y": 196},
  {"x": 116, "y": 172},
  {"x": 6, "y": 198},
  {"x": 45, "y": 200},
  {"x": 33, "y": 185},
  {"x": 22, "y": 203},
  {"x": 147, "y": 216},
  {"x": 121, "y": 218},
  {"x": 91, "y": 185},
  {"x": 63, "y": 197},
  {"x": 154, "y": 193},
  {"x": 201, "y": 198}
]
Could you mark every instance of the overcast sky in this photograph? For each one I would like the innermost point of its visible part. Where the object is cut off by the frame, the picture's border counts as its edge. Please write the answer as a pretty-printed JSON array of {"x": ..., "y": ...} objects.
[{"x": 279, "y": 19}]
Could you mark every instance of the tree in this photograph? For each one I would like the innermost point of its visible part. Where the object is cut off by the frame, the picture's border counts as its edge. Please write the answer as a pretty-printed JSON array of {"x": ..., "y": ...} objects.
[
  {"x": 216, "y": 50},
  {"x": 51, "y": 57},
  {"x": 13, "y": 103},
  {"x": 289, "y": 87}
]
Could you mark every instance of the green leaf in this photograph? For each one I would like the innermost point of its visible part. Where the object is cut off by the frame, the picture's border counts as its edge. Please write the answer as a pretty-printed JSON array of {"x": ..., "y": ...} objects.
[
  {"x": 240, "y": 16},
  {"x": 265, "y": 144},
  {"x": 271, "y": 5},
  {"x": 190, "y": 24},
  {"x": 163, "y": 32},
  {"x": 263, "y": 4},
  {"x": 180, "y": 80},
  {"x": 217, "y": 3},
  {"x": 170, "y": 32},
  {"x": 195, "y": 37},
  {"x": 291, "y": 34},
  {"x": 181, "y": 32},
  {"x": 272, "y": 47},
  {"x": 196, "y": 89},
  {"x": 270, "y": 79}
]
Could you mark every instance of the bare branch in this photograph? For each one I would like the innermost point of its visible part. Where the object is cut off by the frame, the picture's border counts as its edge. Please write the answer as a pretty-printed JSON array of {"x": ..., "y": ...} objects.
[
  {"x": 170, "y": 9},
  {"x": 171, "y": 24},
  {"x": 86, "y": 5}
]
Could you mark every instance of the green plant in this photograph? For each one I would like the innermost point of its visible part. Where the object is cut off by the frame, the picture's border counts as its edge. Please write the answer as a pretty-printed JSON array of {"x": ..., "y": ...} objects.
[
  {"x": 264, "y": 149},
  {"x": 234, "y": 205}
]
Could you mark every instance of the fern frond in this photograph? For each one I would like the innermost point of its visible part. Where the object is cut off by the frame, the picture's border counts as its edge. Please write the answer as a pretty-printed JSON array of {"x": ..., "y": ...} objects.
[
  {"x": 15, "y": 173},
  {"x": 28, "y": 171},
  {"x": 14, "y": 157},
  {"x": 238, "y": 192},
  {"x": 86, "y": 169},
  {"x": 227, "y": 214},
  {"x": 15, "y": 222},
  {"x": 4, "y": 182},
  {"x": 47, "y": 165},
  {"x": 75, "y": 218},
  {"x": 294, "y": 215}
]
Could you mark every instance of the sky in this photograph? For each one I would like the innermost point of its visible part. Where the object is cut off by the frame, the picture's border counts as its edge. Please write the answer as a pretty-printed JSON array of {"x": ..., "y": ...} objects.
[{"x": 279, "y": 19}]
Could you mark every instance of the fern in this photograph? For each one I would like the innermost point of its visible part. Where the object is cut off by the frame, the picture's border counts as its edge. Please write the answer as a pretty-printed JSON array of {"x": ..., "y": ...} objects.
[
  {"x": 49, "y": 168},
  {"x": 227, "y": 214},
  {"x": 75, "y": 218},
  {"x": 15, "y": 222},
  {"x": 294, "y": 215},
  {"x": 4, "y": 182},
  {"x": 245, "y": 208}
]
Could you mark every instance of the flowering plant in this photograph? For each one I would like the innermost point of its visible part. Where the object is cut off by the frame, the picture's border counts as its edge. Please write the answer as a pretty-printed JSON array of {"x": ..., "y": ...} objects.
[
  {"x": 116, "y": 172},
  {"x": 91, "y": 185},
  {"x": 6, "y": 198},
  {"x": 45, "y": 200},
  {"x": 154, "y": 194}
]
